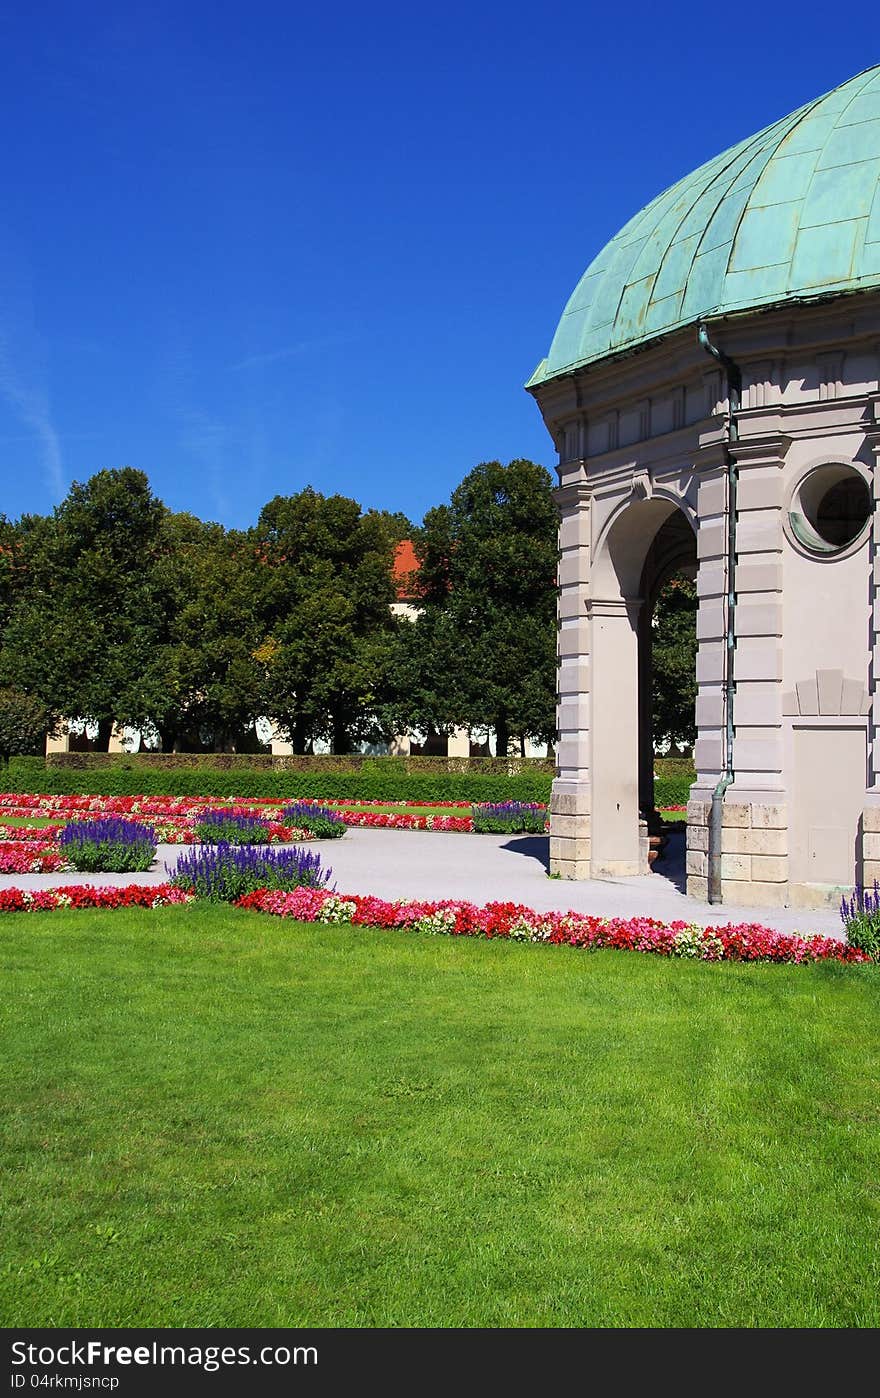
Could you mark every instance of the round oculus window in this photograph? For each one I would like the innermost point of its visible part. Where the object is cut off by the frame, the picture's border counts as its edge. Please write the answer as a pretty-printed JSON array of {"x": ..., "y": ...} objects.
[{"x": 830, "y": 508}]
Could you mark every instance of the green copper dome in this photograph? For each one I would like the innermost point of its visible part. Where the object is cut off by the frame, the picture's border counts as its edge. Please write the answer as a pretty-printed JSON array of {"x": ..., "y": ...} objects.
[{"x": 791, "y": 214}]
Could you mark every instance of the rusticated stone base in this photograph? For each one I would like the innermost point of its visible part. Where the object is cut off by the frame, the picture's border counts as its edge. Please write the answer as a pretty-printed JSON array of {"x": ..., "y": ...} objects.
[
  {"x": 870, "y": 846},
  {"x": 570, "y": 834},
  {"x": 644, "y": 847},
  {"x": 754, "y": 853},
  {"x": 571, "y": 845},
  {"x": 815, "y": 895}
]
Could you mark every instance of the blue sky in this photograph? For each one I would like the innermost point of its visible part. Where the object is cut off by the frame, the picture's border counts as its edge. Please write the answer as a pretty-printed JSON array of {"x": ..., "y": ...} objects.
[{"x": 248, "y": 248}]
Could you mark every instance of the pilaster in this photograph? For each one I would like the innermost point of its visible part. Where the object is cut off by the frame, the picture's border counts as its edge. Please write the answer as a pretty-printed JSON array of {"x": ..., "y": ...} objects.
[
  {"x": 570, "y": 798},
  {"x": 616, "y": 843},
  {"x": 873, "y": 442},
  {"x": 711, "y": 614},
  {"x": 754, "y": 842}
]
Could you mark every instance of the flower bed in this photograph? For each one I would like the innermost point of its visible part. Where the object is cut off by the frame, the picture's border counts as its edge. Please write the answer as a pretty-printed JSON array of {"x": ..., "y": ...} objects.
[
  {"x": 320, "y": 821},
  {"x": 456, "y": 918},
  {"x": 26, "y": 834},
  {"x": 109, "y": 844},
  {"x": 366, "y": 803},
  {"x": 230, "y": 827},
  {"x": 175, "y": 818},
  {"x": 32, "y": 857},
  {"x": 172, "y": 821},
  {"x": 740, "y": 942},
  {"x": 76, "y": 895},
  {"x": 222, "y": 873},
  {"x": 509, "y": 818},
  {"x": 377, "y": 820},
  {"x": 860, "y": 915}
]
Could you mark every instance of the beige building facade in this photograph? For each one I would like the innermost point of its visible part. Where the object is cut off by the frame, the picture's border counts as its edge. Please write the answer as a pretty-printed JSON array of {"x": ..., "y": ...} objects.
[{"x": 713, "y": 392}]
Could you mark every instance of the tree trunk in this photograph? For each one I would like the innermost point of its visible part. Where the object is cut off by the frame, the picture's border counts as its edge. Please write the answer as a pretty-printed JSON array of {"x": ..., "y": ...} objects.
[
  {"x": 522, "y": 744},
  {"x": 502, "y": 736},
  {"x": 339, "y": 742},
  {"x": 167, "y": 738},
  {"x": 298, "y": 736},
  {"x": 105, "y": 728}
]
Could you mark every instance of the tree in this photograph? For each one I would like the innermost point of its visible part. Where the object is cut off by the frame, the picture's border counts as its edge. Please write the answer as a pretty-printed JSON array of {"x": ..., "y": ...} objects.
[
  {"x": 10, "y": 568},
  {"x": 326, "y": 601},
  {"x": 24, "y": 723},
  {"x": 423, "y": 674},
  {"x": 483, "y": 652},
  {"x": 80, "y": 632},
  {"x": 201, "y": 686},
  {"x": 674, "y": 662}
]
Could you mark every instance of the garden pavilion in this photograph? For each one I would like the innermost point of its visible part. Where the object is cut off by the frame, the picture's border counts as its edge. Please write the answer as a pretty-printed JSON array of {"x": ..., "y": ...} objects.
[{"x": 713, "y": 391}]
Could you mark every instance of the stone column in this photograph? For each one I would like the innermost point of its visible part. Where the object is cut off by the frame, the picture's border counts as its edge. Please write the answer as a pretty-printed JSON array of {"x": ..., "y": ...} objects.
[
  {"x": 459, "y": 743},
  {"x": 646, "y": 725},
  {"x": 616, "y": 845},
  {"x": 754, "y": 845},
  {"x": 571, "y": 795},
  {"x": 754, "y": 842},
  {"x": 710, "y": 719},
  {"x": 870, "y": 850},
  {"x": 280, "y": 747},
  {"x": 59, "y": 740}
]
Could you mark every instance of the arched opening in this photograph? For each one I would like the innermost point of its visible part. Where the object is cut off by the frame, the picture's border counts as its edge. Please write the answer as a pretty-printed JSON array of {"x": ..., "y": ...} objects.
[
  {"x": 667, "y": 622},
  {"x": 649, "y": 544},
  {"x": 667, "y": 681}
]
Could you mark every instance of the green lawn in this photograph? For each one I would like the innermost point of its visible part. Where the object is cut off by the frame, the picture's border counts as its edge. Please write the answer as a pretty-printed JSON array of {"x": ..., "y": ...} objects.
[
  {"x": 41, "y": 821},
  {"x": 217, "y": 1118}
]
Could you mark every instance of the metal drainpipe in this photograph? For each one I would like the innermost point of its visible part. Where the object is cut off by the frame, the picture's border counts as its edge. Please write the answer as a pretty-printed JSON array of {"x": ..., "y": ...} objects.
[{"x": 734, "y": 402}]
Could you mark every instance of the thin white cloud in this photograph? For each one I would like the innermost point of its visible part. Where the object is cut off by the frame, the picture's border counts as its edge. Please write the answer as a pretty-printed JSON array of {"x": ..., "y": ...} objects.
[
  {"x": 9, "y": 439},
  {"x": 23, "y": 377},
  {"x": 29, "y": 399},
  {"x": 202, "y": 437},
  {"x": 320, "y": 342}
]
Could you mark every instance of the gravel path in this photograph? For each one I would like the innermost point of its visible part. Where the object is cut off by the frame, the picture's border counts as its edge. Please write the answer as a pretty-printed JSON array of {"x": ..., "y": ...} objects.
[{"x": 485, "y": 868}]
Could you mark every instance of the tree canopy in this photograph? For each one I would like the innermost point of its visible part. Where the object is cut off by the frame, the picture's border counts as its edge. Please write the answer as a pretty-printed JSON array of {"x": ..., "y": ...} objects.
[
  {"x": 482, "y": 654},
  {"x": 24, "y": 722},
  {"x": 325, "y": 592},
  {"x": 116, "y": 610},
  {"x": 79, "y": 629},
  {"x": 674, "y": 662}
]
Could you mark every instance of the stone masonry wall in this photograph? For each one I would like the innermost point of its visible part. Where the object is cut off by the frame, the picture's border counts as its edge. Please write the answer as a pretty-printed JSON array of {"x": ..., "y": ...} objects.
[
  {"x": 870, "y": 846},
  {"x": 754, "y": 853},
  {"x": 569, "y": 837}
]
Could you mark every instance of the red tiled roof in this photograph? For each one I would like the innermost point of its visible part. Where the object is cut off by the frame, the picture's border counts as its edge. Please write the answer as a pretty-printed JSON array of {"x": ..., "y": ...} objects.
[{"x": 405, "y": 566}]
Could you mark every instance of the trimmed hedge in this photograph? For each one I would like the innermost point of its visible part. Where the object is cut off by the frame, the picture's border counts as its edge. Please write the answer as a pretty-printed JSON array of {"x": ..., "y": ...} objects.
[
  {"x": 314, "y": 763},
  {"x": 672, "y": 791},
  {"x": 673, "y": 779},
  {"x": 675, "y": 767},
  {"x": 369, "y": 784},
  {"x": 376, "y": 779}
]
